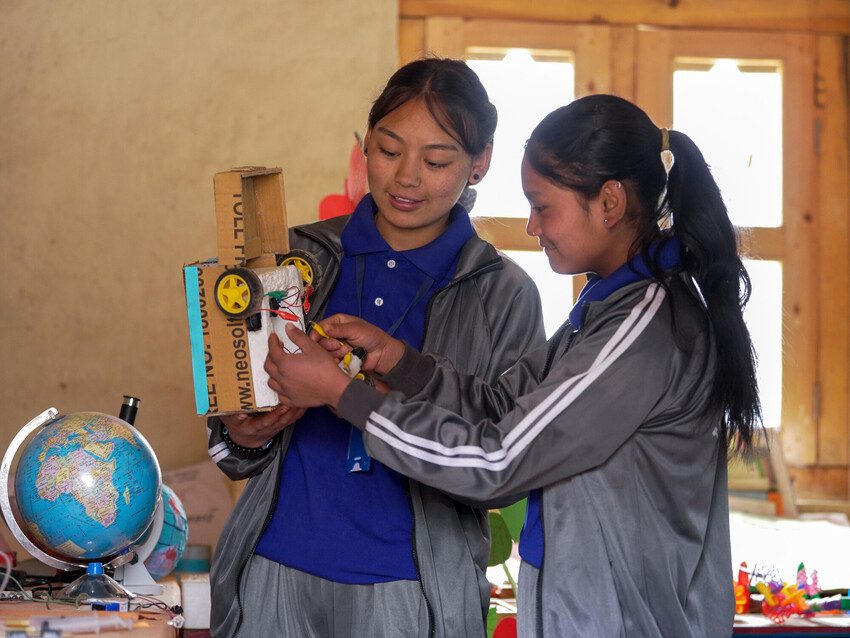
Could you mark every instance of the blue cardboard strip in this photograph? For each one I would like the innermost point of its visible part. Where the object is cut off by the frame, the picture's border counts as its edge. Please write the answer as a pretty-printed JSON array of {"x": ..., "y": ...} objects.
[{"x": 196, "y": 338}]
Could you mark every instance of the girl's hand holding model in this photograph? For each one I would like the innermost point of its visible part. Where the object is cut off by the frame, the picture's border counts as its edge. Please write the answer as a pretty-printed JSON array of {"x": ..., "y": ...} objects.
[{"x": 325, "y": 382}]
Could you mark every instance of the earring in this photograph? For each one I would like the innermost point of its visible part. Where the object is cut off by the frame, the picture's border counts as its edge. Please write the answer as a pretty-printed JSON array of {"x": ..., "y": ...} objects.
[
  {"x": 476, "y": 176},
  {"x": 605, "y": 221}
]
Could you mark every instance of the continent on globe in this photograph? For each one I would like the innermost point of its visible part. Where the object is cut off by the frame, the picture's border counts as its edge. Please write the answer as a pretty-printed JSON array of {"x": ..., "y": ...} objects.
[
  {"x": 94, "y": 435},
  {"x": 70, "y": 474}
]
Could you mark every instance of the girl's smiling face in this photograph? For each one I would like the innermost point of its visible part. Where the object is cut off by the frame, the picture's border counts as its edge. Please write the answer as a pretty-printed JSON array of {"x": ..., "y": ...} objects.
[
  {"x": 577, "y": 236},
  {"x": 416, "y": 174}
]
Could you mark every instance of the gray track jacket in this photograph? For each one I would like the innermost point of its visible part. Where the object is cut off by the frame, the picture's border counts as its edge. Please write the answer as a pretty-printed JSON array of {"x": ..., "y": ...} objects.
[
  {"x": 615, "y": 432},
  {"x": 484, "y": 320}
]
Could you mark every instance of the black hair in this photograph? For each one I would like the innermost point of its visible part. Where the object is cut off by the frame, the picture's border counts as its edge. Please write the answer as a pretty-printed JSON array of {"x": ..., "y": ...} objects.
[
  {"x": 453, "y": 95},
  {"x": 603, "y": 137}
]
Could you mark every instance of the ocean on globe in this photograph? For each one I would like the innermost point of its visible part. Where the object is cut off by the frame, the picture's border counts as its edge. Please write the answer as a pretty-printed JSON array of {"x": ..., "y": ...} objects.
[
  {"x": 172, "y": 539},
  {"x": 87, "y": 486}
]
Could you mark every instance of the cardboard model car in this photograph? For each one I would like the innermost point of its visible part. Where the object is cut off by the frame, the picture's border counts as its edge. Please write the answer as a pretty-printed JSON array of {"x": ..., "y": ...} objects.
[{"x": 253, "y": 288}]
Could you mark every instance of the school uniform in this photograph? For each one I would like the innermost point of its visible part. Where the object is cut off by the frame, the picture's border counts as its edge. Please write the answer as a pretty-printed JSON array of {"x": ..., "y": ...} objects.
[{"x": 348, "y": 550}]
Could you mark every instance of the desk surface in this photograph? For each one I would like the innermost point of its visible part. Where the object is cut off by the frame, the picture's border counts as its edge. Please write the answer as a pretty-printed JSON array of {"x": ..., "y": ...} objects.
[
  {"x": 146, "y": 623},
  {"x": 818, "y": 625}
]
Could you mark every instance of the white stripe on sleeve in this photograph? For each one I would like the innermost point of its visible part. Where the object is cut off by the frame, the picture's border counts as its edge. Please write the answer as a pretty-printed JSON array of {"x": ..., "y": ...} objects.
[{"x": 533, "y": 423}]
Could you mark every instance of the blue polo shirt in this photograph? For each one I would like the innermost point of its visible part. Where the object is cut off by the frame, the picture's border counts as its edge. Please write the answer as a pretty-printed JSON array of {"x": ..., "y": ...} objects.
[
  {"x": 357, "y": 528},
  {"x": 667, "y": 255}
]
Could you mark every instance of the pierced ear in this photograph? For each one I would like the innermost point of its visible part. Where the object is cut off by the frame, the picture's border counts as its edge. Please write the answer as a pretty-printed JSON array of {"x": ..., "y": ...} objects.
[
  {"x": 480, "y": 165},
  {"x": 614, "y": 199}
]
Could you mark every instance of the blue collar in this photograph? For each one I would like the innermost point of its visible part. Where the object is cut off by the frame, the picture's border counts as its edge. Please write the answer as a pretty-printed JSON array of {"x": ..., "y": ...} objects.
[
  {"x": 667, "y": 255},
  {"x": 361, "y": 236}
]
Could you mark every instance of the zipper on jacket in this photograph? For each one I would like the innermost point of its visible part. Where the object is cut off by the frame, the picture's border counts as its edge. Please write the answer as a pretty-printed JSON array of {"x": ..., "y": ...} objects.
[
  {"x": 553, "y": 348},
  {"x": 416, "y": 563},
  {"x": 550, "y": 357},
  {"x": 495, "y": 264},
  {"x": 538, "y": 599}
]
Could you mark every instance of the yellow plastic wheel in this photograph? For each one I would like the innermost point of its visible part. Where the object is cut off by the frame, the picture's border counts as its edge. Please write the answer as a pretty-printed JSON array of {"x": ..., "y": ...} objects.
[
  {"x": 238, "y": 292},
  {"x": 306, "y": 265}
]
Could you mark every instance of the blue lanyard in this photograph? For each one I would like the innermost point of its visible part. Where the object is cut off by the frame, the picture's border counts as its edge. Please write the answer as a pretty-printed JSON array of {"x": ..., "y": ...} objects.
[{"x": 357, "y": 459}]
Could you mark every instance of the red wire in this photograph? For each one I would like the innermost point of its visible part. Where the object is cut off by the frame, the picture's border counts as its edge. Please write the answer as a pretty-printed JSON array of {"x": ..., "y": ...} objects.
[{"x": 292, "y": 292}]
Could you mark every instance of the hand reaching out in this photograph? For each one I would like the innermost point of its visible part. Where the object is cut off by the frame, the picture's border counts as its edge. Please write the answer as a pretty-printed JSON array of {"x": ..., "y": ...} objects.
[{"x": 344, "y": 332}]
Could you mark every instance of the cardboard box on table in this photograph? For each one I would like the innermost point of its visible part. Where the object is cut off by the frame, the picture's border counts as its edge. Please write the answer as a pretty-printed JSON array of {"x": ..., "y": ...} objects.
[{"x": 227, "y": 357}]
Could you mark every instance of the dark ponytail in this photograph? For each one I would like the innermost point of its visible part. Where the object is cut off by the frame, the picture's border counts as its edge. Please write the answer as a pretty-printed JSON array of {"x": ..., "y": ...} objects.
[
  {"x": 603, "y": 137},
  {"x": 701, "y": 222}
]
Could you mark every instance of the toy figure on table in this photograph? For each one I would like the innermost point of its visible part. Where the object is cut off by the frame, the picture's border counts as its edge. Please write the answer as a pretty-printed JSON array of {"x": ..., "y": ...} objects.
[{"x": 781, "y": 600}]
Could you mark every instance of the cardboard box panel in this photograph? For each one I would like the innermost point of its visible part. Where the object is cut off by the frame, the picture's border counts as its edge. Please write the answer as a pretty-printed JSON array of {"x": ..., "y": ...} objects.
[
  {"x": 264, "y": 202},
  {"x": 227, "y": 357},
  {"x": 250, "y": 214},
  {"x": 229, "y": 218}
]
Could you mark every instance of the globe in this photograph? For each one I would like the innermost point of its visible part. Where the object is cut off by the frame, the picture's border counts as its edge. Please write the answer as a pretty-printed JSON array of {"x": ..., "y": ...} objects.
[
  {"x": 172, "y": 540},
  {"x": 87, "y": 486}
]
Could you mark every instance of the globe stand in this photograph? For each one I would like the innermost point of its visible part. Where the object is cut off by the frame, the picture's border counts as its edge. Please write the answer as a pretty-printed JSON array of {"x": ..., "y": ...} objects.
[{"x": 93, "y": 586}]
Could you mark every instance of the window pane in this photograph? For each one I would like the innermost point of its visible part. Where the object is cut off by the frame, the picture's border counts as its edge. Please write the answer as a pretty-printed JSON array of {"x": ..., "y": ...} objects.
[
  {"x": 556, "y": 291},
  {"x": 524, "y": 91},
  {"x": 764, "y": 318},
  {"x": 735, "y": 117}
]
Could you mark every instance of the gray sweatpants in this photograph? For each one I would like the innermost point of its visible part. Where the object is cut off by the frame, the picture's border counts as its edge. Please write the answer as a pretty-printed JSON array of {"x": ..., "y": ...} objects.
[
  {"x": 281, "y": 602},
  {"x": 527, "y": 620}
]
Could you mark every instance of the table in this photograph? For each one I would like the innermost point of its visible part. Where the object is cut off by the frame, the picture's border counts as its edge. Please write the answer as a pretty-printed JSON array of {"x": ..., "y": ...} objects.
[
  {"x": 145, "y": 623},
  {"x": 827, "y": 626}
]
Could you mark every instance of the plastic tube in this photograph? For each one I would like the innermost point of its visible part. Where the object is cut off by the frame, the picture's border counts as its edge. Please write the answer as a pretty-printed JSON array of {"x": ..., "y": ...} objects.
[{"x": 128, "y": 409}]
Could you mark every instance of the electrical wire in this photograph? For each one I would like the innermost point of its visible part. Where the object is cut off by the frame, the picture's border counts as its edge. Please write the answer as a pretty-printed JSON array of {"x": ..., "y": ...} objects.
[
  {"x": 150, "y": 601},
  {"x": 8, "y": 560},
  {"x": 288, "y": 301}
]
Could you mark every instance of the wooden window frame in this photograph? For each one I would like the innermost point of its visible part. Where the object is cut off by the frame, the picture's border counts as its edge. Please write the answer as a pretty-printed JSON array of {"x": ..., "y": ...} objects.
[{"x": 814, "y": 240}]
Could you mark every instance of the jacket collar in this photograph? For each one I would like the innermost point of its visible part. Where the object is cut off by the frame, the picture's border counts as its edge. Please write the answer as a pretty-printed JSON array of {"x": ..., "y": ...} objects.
[
  {"x": 667, "y": 256},
  {"x": 361, "y": 236},
  {"x": 475, "y": 255}
]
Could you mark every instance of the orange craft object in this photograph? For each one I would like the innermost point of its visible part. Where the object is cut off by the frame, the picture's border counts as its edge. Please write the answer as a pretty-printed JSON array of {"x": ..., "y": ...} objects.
[{"x": 742, "y": 590}]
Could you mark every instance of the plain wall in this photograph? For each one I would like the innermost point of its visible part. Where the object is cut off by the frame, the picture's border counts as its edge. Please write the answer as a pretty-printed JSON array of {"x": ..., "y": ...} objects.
[{"x": 114, "y": 116}]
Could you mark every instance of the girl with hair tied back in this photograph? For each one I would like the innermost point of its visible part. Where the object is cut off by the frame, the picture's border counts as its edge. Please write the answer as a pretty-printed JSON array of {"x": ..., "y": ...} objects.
[
  {"x": 620, "y": 426},
  {"x": 325, "y": 541}
]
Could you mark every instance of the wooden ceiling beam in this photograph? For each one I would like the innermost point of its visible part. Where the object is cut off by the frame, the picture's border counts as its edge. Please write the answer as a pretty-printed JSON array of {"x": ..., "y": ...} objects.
[{"x": 811, "y": 16}]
